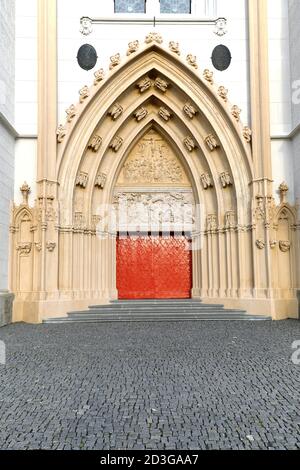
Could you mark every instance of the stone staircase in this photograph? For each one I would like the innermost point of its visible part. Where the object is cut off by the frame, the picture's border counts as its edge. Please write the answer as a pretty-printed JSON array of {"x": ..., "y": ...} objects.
[{"x": 155, "y": 311}]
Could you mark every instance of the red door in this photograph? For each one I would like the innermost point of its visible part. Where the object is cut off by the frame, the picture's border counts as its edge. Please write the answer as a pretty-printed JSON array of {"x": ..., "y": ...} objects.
[{"x": 150, "y": 267}]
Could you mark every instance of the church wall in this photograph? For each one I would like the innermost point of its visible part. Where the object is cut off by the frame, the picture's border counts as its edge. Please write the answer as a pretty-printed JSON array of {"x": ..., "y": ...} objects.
[{"x": 7, "y": 140}]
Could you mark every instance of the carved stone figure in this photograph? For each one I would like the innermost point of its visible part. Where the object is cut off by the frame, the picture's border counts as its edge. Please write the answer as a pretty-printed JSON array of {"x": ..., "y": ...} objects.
[
  {"x": 144, "y": 84},
  {"x": 212, "y": 222},
  {"x": 84, "y": 93},
  {"x": 133, "y": 47},
  {"x": 82, "y": 179},
  {"x": 190, "y": 144},
  {"x": 116, "y": 143},
  {"x": 25, "y": 191},
  {"x": 273, "y": 244},
  {"x": 115, "y": 60},
  {"x": 50, "y": 246},
  {"x": 192, "y": 60},
  {"x": 206, "y": 181},
  {"x": 190, "y": 110},
  {"x": 24, "y": 248},
  {"x": 86, "y": 26},
  {"x": 174, "y": 47},
  {"x": 164, "y": 113},
  {"x": 38, "y": 246},
  {"x": 223, "y": 93},
  {"x": 154, "y": 37},
  {"x": 61, "y": 133},
  {"x": 284, "y": 246},
  {"x": 283, "y": 190},
  {"x": 211, "y": 142},
  {"x": 247, "y": 133},
  {"x": 71, "y": 113},
  {"x": 236, "y": 112},
  {"x": 226, "y": 179},
  {"x": 140, "y": 114},
  {"x": 260, "y": 244},
  {"x": 101, "y": 180},
  {"x": 208, "y": 76},
  {"x": 95, "y": 143},
  {"x": 99, "y": 76},
  {"x": 115, "y": 111},
  {"x": 161, "y": 84},
  {"x": 230, "y": 220}
]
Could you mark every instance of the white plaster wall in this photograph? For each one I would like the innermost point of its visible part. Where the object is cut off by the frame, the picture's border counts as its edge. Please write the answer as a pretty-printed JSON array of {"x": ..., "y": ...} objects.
[
  {"x": 7, "y": 72},
  {"x": 110, "y": 39},
  {"x": 26, "y": 93}
]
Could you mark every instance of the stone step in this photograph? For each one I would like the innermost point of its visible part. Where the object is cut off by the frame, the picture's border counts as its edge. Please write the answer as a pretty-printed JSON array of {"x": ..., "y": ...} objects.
[{"x": 154, "y": 309}]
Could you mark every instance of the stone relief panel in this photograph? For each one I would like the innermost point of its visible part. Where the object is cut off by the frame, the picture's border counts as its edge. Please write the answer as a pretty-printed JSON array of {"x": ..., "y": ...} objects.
[{"x": 153, "y": 162}]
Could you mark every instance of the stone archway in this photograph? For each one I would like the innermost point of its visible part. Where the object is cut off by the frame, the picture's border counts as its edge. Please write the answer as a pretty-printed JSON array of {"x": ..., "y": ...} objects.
[{"x": 151, "y": 90}]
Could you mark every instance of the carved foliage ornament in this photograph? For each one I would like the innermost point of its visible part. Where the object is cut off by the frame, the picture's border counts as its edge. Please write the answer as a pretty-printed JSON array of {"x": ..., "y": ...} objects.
[
  {"x": 61, "y": 133},
  {"x": 84, "y": 93},
  {"x": 206, "y": 181},
  {"x": 236, "y": 112},
  {"x": 174, "y": 47},
  {"x": 192, "y": 60},
  {"x": 144, "y": 84},
  {"x": 212, "y": 222},
  {"x": 284, "y": 246},
  {"x": 116, "y": 143},
  {"x": 101, "y": 180},
  {"x": 133, "y": 47},
  {"x": 51, "y": 246},
  {"x": 99, "y": 76},
  {"x": 71, "y": 113},
  {"x": 115, "y": 60},
  {"x": 164, "y": 114},
  {"x": 260, "y": 244},
  {"x": 190, "y": 144},
  {"x": 161, "y": 84},
  {"x": 95, "y": 143},
  {"x": 208, "y": 76},
  {"x": 140, "y": 114},
  {"x": 154, "y": 37},
  {"x": 82, "y": 179},
  {"x": 226, "y": 179},
  {"x": 115, "y": 111},
  {"x": 25, "y": 190},
  {"x": 211, "y": 142},
  {"x": 223, "y": 93},
  {"x": 24, "y": 248},
  {"x": 190, "y": 110},
  {"x": 247, "y": 133}
]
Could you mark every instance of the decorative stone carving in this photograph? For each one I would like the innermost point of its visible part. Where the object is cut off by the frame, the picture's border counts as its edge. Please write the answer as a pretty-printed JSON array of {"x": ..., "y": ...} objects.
[
  {"x": 51, "y": 246},
  {"x": 115, "y": 111},
  {"x": 82, "y": 179},
  {"x": 236, "y": 112},
  {"x": 95, "y": 143},
  {"x": 101, "y": 180},
  {"x": 115, "y": 60},
  {"x": 190, "y": 110},
  {"x": 38, "y": 246},
  {"x": 71, "y": 113},
  {"x": 133, "y": 47},
  {"x": 226, "y": 179},
  {"x": 260, "y": 244},
  {"x": 174, "y": 47},
  {"x": 86, "y": 26},
  {"x": 190, "y": 144},
  {"x": 99, "y": 76},
  {"x": 84, "y": 93},
  {"x": 211, "y": 142},
  {"x": 230, "y": 220},
  {"x": 223, "y": 93},
  {"x": 273, "y": 244},
  {"x": 144, "y": 84},
  {"x": 152, "y": 162},
  {"x": 61, "y": 133},
  {"x": 192, "y": 60},
  {"x": 164, "y": 113},
  {"x": 247, "y": 133},
  {"x": 116, "y": 143},
  {"x": 206, "y": 181},
  {"x": 284, "y": 246},
  {"x": 212, "y": 222},
  {"x": 283, "y": 190},
  {"x": 154, "y": 37},
  {"x": 221, "y": 27},
  {"x": 140, "y": 114},
  {"x": 161, "y": 84},
  {"x": 24, "y": 248},
  {"x": 208, "y": 76},
  {"x": 25, "y": 190},
  {"x": 265, "y": 209}
]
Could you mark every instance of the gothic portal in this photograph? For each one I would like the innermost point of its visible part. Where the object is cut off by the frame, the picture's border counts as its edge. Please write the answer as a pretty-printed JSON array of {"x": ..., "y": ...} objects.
[{"x": 151, "y": 191}]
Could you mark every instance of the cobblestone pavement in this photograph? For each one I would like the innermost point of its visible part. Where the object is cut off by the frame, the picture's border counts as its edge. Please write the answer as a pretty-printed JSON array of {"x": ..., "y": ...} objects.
[{"x": 194, "y": 385}]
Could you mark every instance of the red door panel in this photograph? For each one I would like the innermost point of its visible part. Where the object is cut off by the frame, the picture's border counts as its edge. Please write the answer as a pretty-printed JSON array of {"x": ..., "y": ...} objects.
[{"x": 154, "y": 267}]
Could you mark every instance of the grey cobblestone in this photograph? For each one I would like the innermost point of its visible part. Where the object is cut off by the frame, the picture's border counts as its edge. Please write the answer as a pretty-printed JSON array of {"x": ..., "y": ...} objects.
[{"x": 150, "y": 386}]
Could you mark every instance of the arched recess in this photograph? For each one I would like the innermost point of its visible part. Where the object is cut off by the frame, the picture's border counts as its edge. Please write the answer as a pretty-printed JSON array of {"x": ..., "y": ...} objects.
[{"x": 220, "y": 171}]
